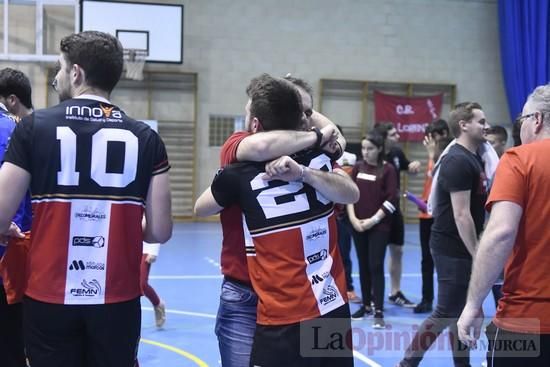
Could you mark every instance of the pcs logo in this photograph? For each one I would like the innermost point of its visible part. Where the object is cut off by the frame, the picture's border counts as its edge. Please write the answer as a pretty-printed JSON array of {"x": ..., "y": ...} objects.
[
  {"x": 316, "y": 257},
  {"x": 97, "y": 241}
]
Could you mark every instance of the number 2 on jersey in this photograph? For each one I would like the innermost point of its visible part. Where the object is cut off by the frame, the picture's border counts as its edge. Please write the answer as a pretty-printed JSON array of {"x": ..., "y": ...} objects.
[
  {"x": 69, "y": 176},
  {"x": 268, "y": 198}
]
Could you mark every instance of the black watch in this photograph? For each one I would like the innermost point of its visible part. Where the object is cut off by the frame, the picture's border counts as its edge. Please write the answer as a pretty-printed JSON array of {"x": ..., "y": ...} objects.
[{"x": 319, "y": 137}]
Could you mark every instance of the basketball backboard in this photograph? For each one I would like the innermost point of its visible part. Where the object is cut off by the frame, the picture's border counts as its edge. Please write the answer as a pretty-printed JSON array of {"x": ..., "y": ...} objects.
[{"x": 154, "y": 28}]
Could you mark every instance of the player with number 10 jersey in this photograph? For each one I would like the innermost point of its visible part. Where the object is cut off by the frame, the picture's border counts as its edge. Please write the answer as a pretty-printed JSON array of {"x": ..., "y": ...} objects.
[{"x": 91, "y": 166}]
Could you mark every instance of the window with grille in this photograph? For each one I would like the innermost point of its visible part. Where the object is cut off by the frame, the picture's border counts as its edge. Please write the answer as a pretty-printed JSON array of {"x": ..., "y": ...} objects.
[{"x": 222, "y": 126}]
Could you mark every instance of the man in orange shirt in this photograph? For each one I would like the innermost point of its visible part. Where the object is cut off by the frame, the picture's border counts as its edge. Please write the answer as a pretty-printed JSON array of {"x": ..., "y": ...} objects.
[{"x": 517, "y": 234}]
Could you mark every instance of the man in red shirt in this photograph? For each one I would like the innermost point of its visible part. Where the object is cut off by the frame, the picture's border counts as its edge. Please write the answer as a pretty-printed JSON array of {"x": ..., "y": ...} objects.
[
  {"x": 517, "y": 235},
  {"x": 236, "y": 319}
]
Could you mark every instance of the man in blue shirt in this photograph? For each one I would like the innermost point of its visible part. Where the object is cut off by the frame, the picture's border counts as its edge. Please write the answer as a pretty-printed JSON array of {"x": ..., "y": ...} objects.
[{"x": 15, "y": 103}]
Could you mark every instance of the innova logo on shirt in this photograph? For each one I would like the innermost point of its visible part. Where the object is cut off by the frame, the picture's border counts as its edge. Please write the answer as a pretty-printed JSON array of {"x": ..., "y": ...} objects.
[{"x": 101, "y": 113}]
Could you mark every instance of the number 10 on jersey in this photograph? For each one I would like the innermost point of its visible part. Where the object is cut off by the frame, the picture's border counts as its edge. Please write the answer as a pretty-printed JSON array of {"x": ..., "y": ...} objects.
[{"x": 69, "y": 175}]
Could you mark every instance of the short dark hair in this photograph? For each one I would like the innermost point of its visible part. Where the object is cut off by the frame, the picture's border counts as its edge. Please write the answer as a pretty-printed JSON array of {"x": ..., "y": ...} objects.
[
  {"x": 275, "y": 102},
  {"x": 99, "y": 54},
  {"x": 16, "y": 82},
  {"x": 462, "y": 112},
  {"x": 499, "y": 131},
  {"x": 383, "y": 128},
  {"x": 440, "y": 146},
  {"x": 438, "y": 126},
  {"x": 300, "y": 83}
]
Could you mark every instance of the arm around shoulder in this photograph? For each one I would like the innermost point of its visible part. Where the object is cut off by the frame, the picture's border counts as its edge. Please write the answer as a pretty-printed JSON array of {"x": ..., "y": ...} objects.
[
  {"x": 158, "y": 210},
  {"x": 268, "y": 145}
]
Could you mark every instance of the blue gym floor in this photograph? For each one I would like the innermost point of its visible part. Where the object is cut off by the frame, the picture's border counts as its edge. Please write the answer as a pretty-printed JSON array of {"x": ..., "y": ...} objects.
[{"x": 187, "y": 277}]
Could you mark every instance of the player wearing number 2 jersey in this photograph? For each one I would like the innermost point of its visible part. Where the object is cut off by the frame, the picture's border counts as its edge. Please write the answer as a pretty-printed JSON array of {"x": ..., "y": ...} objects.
[
  {"x": 93, "y": 173},
  {"x": 290, "y": 236}
]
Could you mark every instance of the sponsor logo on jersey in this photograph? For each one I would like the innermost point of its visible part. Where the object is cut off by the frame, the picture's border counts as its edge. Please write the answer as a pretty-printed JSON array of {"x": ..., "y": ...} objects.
[
  {"x": 330, "y": 294},
  {"x": 90, "y": 265},
  {"x": 90, "y": 215},
  {"x": 97, "y": 241},
  {"x": 316, "y": 278},
  {"x": 89, "y": 289},
  {"x": 102, "y": 113},
  {"x": 316, "y": 257},
  {"x": 316, "y": 234}
]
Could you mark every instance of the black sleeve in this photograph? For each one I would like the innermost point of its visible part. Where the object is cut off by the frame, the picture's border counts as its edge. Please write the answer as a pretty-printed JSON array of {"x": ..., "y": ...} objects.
[
  {"x": 455, "y": 174},
  {"x": 225, "y": 187},
  {"x": 19, "y": 148},
  {"x": 160, "y": 160}
]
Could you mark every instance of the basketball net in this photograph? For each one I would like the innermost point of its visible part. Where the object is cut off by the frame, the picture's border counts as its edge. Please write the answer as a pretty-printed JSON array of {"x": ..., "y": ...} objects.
[{"x": 134, "y": 62}]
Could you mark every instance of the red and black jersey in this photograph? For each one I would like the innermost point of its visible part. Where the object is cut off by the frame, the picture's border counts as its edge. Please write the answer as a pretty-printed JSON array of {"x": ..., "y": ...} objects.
[
  {"x": 291, "y": 241},
  {"x": 233, "y": 256},
  {"x": 90, "y": 167}
]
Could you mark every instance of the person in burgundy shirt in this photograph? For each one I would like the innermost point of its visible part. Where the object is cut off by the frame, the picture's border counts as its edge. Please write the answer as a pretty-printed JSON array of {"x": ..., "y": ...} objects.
[{"x": 371, "y": 221}]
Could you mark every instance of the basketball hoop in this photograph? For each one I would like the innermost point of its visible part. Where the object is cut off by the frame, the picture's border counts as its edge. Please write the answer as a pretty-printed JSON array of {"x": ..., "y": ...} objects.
[{"x": 134, "y": 61}]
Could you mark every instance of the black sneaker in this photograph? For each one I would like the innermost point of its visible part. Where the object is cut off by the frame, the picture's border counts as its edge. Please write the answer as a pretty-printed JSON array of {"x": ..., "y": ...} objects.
[
  {"x": 378, "y": 320},
  {"x": 400, "y": 300},
  {"x": 423, "y": 307},
  {"x": 360, "y": 313}
]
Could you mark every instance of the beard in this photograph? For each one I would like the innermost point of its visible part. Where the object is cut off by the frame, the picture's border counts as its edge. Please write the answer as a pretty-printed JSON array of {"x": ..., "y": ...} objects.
[{"x": 64, "y": 95}]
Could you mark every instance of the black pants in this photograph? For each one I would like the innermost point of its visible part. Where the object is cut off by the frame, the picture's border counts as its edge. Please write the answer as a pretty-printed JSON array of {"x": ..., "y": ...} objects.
[
  {"x": 510, "y": 349},
  {"x": 371, "y": 251},
  {"x": 12, "y": 350},
  {"x": 453, "y": 276},
  {"x": 285, "y": 345},
  {"x": 344, "y": 243},
  {"x": 82, "y": 335},
  {"x": 427, "y": 264}
]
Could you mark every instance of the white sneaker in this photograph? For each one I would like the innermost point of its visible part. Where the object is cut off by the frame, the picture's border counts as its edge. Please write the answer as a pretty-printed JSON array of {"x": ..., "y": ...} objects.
[{"x": 160, "y": 314}]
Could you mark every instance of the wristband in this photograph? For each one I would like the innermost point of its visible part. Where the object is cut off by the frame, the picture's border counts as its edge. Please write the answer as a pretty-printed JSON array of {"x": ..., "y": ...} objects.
[
  {"x": 319, "y": 137},
  {"x": 301, "y": 178}
]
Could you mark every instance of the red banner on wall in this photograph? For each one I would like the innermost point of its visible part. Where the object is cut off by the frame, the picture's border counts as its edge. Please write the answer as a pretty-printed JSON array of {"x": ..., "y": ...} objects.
[{"x": 410, "y": 115}]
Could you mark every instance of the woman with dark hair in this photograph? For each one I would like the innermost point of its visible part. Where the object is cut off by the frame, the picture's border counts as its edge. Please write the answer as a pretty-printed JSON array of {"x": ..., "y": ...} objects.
[{"x": 371, "y": 221}]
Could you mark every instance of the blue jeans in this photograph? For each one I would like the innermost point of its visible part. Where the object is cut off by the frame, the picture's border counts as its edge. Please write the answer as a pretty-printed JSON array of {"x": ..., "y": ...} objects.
[{"x": 236, "y": 323}]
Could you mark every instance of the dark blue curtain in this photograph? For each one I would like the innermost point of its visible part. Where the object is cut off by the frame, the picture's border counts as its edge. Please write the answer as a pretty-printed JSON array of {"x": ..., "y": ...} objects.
[{"x": 524, "y": 49}]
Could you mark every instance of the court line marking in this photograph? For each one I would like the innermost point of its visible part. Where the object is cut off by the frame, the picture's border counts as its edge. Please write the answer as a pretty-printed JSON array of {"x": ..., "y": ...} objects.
[
  {"x": 219, "y": 276},
  {"x": 364, "y": 358},
  {"x": 186, "y": 313},
  {"x": 179, "y": 351}
]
